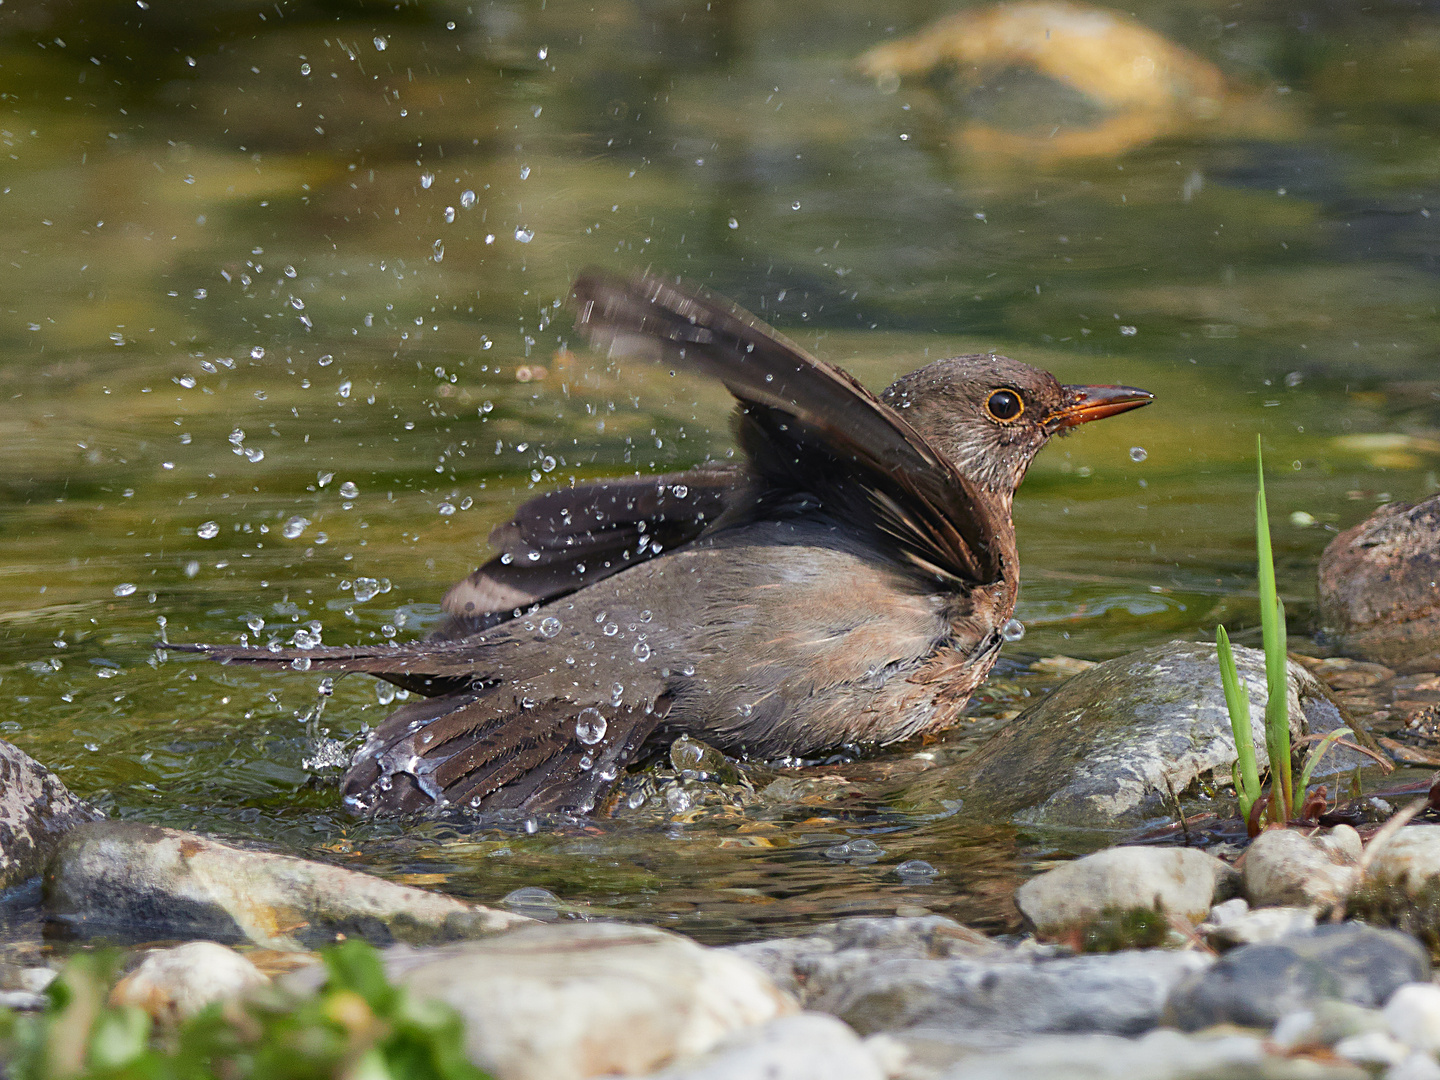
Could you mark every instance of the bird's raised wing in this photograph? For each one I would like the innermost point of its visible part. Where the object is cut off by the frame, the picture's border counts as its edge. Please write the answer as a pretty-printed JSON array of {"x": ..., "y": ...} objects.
[
  {"x": 565, "y": 539},
  {"x": 807, "y": 426}
]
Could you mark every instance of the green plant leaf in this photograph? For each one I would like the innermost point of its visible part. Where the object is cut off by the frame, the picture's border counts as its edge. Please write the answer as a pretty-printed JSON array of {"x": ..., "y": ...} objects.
[
  {"x": 1272, "y": 630},
  {"x": 1237, "y": 701},
  {"x": 1313, "y": 758}
]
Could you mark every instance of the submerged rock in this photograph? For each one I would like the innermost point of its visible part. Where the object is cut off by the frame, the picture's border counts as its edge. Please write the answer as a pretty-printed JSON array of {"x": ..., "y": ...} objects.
[
  {"x": 1255, "y": 985},
  {"x": 1107, "y": 748},
  {"x": 1067, "y": 900},
  {"x": 126, "y": 880},
  {"x": 1286, "y": 867},
  {"x": 1380, "y": 586},
  {"x": 36, "y": 810},
  {"x": 569, "y": 1000},
  {"x": 175, "y": 984}
]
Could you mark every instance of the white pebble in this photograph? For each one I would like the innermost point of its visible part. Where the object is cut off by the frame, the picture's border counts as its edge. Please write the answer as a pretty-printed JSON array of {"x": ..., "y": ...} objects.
[
  {"x": 1413, "y": 1015},
  {"x": 1372, "y": 1048}
]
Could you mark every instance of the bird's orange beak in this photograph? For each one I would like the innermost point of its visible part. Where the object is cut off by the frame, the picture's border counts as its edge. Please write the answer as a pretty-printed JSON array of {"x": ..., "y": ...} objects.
[{"x": 1086, "y": 403}]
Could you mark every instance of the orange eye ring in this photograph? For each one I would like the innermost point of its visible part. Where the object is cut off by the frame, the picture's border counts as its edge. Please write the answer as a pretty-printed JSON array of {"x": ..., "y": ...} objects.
[{"x": 1005, "y": 405}]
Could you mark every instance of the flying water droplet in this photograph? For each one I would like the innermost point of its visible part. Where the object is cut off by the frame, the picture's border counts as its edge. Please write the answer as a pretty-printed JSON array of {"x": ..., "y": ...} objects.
[
  {"x": 467, "y": 198},
  {"x": 1013, "y": 630},
  {"x": 380, "y": 46},
  {"x": 208, "y": 531},
  {"x": 1138, "y": 453},
  {"x": 446, "y": 509},
  {"x": 294, "y": 527},
  {"x": 439, "y": 249},
  {"x": 734, "y": 224},
  {"x": 549, "y": 626},
  {"x": 255, "y": 623},
  {"x": 524, "y": 235},
  {"x": 641, "y": 651},
  {"x": 348, "y": 490},
  {"x": 366, "y": 588},
  {"x": 125, "y": 589}
]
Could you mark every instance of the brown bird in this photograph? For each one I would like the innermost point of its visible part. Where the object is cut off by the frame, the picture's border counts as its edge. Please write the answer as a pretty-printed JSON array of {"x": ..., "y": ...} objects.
[{"x": 846, "y": 584}]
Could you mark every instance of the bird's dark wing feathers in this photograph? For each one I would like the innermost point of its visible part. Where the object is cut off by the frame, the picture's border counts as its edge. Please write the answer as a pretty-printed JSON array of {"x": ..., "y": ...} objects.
[
  {"x": 806, "y": 411},
  {"x": 565, "y": 539},
  {"x": 467, "y": 751}
]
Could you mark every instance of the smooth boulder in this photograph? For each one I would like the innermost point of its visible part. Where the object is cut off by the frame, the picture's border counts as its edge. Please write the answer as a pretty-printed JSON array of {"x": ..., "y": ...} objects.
[
  {"x": 563, "y": 1001},
  {"x": 1401, "y": 887},
  {"x": 809, "y": 1046},
  {"x": 36, "y": 810},
  {"x": 133, "y": 881},
  {"x": 1286, "y": 867},
  {"x": 1112, "y": 747},
  {"x": 175, "y": 984},
  {"x": 1380, "y": 587},
  {"x": 1256, "y": 985},
  {"x": 1168, "y": 881}
]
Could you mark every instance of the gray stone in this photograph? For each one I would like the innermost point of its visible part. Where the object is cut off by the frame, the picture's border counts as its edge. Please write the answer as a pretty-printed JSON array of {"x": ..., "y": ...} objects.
[
  {"x": 1170, "y": 880},
  {"x": 1232, "y": 924},
  {"x": 1401, "y": 886},
  {"x": 134, "y": 881},
  {"x": 1380, "y": 586},
  {"x": 1255, "y": 985},
  {"x": 1120, "y": 993},
  {"x": 1160, "y": 1055},
  {"x": 36, "y": 810},
  {"x": 175, "y": 984},
  {"x": 808, "y": 1046},
  {"x": 1288, "y": 867},
  {"x": 1107, "y": 748},
  {"x": 832, "y": 953},
  {"x": 562, "y": 1001}
]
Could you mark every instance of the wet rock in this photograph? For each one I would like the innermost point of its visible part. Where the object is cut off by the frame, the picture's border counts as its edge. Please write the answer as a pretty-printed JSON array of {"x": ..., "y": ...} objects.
[
  {"x": 1380, "y": 586},
  {"x": 1108, "y": 747},
  {"x": 36, "y": 810},
  {"x": 562, "y": 1001},
  {"x": 1232, "y": 924},
  {"x": 810, "y": 1046},
  {"x": 1287, "y": 867},
  {"x": 1401, "y": 887},
  {"x": 1182, "y": 882},
  {"x": 1413, "y": 1016},
  {"x": 129, "y": 881},
  {"x": 175, "y": 984},
  {"x": 1256, "y": 985}
]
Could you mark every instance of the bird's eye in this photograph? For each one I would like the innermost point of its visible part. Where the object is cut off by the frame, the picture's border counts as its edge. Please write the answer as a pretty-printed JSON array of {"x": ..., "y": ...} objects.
[{"x": 1004, "y": 405}]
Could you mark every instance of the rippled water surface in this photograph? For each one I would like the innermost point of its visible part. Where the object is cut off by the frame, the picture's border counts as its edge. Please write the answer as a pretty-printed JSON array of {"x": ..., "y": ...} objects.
[{"x": 280, "y": 312}]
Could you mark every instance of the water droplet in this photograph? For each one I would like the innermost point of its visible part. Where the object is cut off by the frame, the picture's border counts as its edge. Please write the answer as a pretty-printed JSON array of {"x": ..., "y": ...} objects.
[
  {"x": 439, "y": 249},
  {"x": 641, "y": 651},
  {"x": 590, "y": 726},
  {"x": 208, "y": 531},
  {"x": 547, "y": 463},
  {"x": 524, "y": 172},
  {"x": 861, "y": 849},
  {"x": 795, "y": 205},
  {"x": 125, "y": 589},
  {"x": 524, "y": 235},
  {"x": 348, "y": 490},
  {"x": 734, "y": 224},
  {"x": 467, "y": 198},
  {"x": 680, "y": 491},
  {"x": 380, "y": 44},
  {"x": 1013, "y": 630},
  {"x": 617, "y": 693},
  {"x": 344, "y": 390},
  {"x": 449, "y": 216},
  {"x": 304, "y": 69},
  {"x": 544, "y": 52},
  {"x": 677, "y": 799},
  {"x": 255, "y": 623},
  {"x": 549, "y": 626},
  {"x": 1137, "y": 453},
  {"x": 366, "y": 588},
  {"x": 301, "y": 663},
  {"x": 446, "y": 509},
  {"x": 610, "y": 629},
  {"x": 917, "y": 870},
  {"x": 294, "y": 527},
  {"x": 1129, "y": 331}
]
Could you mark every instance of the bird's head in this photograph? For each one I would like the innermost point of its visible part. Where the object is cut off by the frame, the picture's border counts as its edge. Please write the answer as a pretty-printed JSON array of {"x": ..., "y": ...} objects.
[{"x": 991, "y": 415}]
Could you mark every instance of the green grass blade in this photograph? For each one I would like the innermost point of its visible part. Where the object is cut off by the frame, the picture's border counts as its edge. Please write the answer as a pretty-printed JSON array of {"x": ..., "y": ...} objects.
[
  {"x": 1272, "y": 628},
  {"x": 1237, "y": 701},
  {"x": 1315, "y": 755}
]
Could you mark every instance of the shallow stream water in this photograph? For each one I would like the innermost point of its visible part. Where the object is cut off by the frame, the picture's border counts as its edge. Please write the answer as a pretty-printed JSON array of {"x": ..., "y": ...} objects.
[{"x": 282, "y": 338}]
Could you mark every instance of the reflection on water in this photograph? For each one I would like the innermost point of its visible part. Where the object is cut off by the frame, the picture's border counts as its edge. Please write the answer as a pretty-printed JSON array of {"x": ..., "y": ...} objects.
[{"x": 283, "y": 340}]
